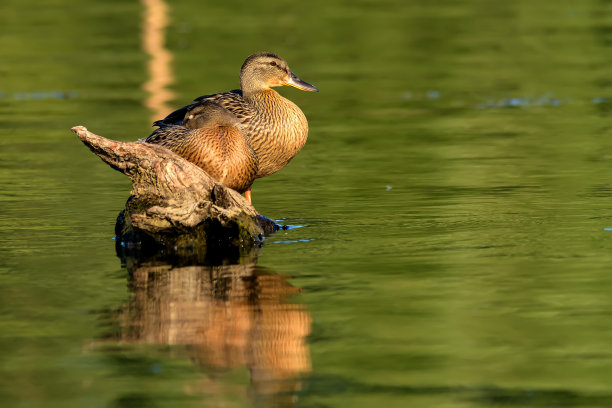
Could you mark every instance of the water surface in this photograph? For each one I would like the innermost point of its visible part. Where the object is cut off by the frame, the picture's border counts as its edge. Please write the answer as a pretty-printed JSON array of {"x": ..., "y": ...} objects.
[{"x": 453, "y": 202}]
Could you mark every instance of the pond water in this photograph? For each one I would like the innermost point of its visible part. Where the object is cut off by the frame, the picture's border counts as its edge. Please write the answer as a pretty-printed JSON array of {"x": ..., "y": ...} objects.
[{"x": 452, "y": 209}]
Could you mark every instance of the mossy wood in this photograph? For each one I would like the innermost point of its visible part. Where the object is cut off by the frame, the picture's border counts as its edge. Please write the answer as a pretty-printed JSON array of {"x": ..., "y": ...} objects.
[{"x": 174, "y": 202}]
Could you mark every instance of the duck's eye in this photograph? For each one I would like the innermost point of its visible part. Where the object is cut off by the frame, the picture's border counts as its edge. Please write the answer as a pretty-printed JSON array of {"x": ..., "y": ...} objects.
[{"x": 273, "y": 63}]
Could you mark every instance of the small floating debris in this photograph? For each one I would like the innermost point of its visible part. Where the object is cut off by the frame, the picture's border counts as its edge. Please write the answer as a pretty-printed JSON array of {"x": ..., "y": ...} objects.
[
  {"x": 523, "y": 102},
  {"x": 407, "y": 96},
  {"x": 430, "y": 94},
  {"x": 288, "y": 227},
  {"x": 433, "y": 94},
  {"x": 38, "y": 95},
  {"x": 547, "y": 99},
  {"x": 293, "y": 241}
]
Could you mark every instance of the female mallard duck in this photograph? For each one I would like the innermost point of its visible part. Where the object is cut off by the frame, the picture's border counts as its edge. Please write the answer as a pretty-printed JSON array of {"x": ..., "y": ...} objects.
[
  {"x": 217, "y": 145},
  {"x": 276, "y": 128}
]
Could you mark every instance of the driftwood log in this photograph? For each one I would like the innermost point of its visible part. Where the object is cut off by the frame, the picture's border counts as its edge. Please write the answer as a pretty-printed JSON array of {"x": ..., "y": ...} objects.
[{"x": 174, "y": 203}]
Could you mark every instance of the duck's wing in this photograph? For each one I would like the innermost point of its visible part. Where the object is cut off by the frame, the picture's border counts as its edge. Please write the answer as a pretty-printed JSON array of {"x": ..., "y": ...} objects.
[
  {"x": 231, "y": 101},
  {"x": 168, "y": 135},
  {"x": 233, "y": 94}
]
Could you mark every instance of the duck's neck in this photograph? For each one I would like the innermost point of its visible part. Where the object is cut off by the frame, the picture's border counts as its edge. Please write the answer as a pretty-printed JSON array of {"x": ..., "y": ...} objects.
[
  {"x": 261, "y": 96},
  {"x": 280, "y": 111},
  {"x": 251, "y": 88},
  {"x": 270, "y": 105}
]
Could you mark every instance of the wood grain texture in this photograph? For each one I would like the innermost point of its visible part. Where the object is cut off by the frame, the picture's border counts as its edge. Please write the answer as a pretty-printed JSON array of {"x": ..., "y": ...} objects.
[{"x": 173, "y": 200}]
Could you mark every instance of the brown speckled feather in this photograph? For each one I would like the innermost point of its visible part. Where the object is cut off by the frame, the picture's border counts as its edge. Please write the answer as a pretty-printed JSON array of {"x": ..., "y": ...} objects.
[
  {"x": 276, "y": 127},
  {"x": 219, "y": 147}
]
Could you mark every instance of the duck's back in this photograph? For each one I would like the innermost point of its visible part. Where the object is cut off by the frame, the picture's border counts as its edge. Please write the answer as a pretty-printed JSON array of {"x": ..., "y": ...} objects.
[{"x": 232, "y": 101}]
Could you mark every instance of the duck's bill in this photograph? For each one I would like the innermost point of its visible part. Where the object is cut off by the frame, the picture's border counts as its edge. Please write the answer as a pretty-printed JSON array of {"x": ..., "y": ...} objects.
[{"x": 296, "y": 82}]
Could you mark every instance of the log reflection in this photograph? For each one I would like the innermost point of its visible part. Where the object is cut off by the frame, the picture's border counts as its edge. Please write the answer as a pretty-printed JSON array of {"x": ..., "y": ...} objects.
[{"x": 228, "y": 316}]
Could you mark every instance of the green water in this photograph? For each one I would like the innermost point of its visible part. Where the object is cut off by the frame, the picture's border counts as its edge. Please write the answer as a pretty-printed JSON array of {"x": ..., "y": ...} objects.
[{"x": 452, "y": 203}]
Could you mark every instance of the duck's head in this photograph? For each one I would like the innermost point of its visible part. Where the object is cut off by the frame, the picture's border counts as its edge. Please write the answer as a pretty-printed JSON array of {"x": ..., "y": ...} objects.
[{"x": 264, "y": 70}]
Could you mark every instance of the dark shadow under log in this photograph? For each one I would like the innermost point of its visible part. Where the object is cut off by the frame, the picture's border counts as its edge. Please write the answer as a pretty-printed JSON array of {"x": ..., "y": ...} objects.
[{"x": 174, "y": 203}]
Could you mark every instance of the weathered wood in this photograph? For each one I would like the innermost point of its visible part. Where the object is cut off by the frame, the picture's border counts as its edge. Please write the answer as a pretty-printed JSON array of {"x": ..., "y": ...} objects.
[{"x": 174, "y": 202}]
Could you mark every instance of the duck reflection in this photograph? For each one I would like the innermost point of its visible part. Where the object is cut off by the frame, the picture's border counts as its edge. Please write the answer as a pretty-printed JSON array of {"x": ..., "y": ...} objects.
[{"x": 228, "y": 316}]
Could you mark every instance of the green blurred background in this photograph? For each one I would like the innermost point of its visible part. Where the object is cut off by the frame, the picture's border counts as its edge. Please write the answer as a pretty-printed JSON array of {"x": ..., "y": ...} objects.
[{"x": 451, "y": 210}]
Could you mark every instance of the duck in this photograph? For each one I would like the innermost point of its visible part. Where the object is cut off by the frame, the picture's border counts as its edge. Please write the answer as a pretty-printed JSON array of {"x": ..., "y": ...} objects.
[
  {"x": 276, "y": 128},
  {"x": 216, "y": 144}
]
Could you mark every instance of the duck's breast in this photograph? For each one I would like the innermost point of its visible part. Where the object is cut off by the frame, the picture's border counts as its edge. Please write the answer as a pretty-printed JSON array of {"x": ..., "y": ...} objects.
[{"x": 277, "y": 133}]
